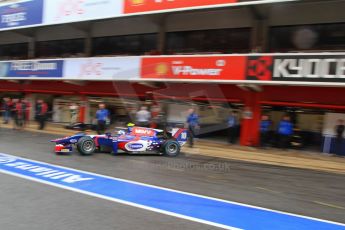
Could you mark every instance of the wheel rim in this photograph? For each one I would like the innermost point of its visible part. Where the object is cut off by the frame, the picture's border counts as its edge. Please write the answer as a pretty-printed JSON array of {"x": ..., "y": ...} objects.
[
  {"x": 88, "y": 146},
  {"x": 172, "y": 148}
]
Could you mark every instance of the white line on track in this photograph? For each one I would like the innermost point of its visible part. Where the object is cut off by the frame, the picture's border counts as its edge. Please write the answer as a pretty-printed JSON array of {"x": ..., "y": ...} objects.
[{"x": 158, "y": 187}]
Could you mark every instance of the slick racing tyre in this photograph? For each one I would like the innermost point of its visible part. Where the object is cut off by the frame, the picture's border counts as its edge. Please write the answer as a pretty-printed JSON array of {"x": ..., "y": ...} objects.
[
  {"x": 86, "y": 146},
  {"x": 171, "y": 148}
]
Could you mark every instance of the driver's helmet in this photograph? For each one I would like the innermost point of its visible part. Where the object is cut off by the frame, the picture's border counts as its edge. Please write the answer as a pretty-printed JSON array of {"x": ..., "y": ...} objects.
[{"x": 130, "y": 126}]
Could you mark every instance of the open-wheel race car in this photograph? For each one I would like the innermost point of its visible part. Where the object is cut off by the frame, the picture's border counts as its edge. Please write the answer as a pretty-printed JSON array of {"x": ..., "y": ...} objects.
[{"x": 132, "y": 140}]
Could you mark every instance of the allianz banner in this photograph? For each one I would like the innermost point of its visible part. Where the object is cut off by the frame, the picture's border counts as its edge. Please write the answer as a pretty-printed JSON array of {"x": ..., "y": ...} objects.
[
  {"x": 20, "y": 13},
  {"x": 298, "y": 68},
  {"x": 32, "y": 69}
]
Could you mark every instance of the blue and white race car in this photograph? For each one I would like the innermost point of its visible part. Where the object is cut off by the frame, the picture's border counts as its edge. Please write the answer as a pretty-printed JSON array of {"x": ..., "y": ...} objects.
[{"x": 133, "y": 140}]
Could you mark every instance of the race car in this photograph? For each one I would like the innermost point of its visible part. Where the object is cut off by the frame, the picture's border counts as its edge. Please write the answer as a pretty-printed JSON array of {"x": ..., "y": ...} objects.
[{"x": 132, "y": 140}]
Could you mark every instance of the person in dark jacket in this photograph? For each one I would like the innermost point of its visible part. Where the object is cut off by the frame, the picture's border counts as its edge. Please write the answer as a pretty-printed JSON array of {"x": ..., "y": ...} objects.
[
  {"x": 265, "y": 128},
  {"x": 20, "y": 109},
  {"x": 285, "y": 130},
  {"x": 339, "y": 130},
  {"x": 232, "y": 127},
  {"x": 6, "y": 107},
  {"x": 41, "y": 113},
  {"x": 15, "y": 113}
]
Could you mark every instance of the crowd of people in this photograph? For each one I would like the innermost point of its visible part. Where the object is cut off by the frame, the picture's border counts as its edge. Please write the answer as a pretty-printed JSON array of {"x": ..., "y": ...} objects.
[
  {"x": 17, "y": 112},
  {"x": 146, "y": 116},
  {"x": 280, "y": 135}
]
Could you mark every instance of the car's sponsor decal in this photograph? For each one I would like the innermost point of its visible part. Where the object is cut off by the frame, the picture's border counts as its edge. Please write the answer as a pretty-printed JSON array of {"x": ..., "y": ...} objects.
[
  {"x": 207, "y": 210},
  {"x": 139, "y": 131},
  {"x": 134, "y": 146}
]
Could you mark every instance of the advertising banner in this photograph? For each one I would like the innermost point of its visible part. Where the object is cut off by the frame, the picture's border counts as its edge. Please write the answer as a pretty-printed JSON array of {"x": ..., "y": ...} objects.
[
  {"x": 31, "y": 69},
  {"x": 64, "y": 11},
  {"x": 20, "y": 13},
  {"x": 140, "y": 6},
  {"x": 112, "y": 68},
  {"x": 305, "y": 68},
  {"x": 194, "y": 68}
]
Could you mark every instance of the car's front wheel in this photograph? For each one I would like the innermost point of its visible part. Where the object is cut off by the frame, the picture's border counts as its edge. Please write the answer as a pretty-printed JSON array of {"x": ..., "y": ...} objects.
[
  {"x": 171, "y": 148},
  {"x": 86, "y": 146}
]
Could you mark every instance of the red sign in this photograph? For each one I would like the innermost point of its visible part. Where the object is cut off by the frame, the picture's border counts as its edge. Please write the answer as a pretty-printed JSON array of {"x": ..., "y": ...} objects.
[
  {"x": 138, "y": 6},
  {"x": 139, "y": 131},
  {"x": 189, "y": 68}
]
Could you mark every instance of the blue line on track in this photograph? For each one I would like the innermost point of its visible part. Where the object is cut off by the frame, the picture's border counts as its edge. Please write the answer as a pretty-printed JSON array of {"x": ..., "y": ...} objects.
[{"x": 216, "y": 212}]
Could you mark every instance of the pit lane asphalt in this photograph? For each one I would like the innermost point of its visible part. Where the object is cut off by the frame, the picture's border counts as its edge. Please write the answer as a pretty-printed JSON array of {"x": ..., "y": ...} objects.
[{"x": 28, "y": 205}]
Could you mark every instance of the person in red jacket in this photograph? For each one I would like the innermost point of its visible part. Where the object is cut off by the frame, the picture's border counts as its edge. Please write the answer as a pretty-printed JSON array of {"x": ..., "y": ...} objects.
[
  {"x": 41, "y": 113},
  {"x": 26, "y": 112},
  {"x": 19, "y": 114}
]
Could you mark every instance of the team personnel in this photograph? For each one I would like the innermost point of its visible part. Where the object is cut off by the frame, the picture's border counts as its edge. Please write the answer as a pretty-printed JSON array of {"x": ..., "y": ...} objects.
[
  {"x": 6, "y": 107},
  {"x": 74, "y": 109},
  {"x": 285, "y": 130},
  {"x": 26, "y": 112},
  {"x": 143, "y": 117},
  {"x": 19, "y": 111},
  {"x": 232, "y": 127},
  {"x": 41, "y": 113},
  {"x": 339, "y": 130},
  {"x": 192, "y": 125},
  {"x": 102, "y": 116},
  {"x": 15, "y": 110},
  {"x": 265, "y": 128}
]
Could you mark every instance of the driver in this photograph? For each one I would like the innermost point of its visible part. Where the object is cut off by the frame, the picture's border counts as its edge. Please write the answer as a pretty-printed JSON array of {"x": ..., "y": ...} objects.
[{"x": 130, "y": 127}]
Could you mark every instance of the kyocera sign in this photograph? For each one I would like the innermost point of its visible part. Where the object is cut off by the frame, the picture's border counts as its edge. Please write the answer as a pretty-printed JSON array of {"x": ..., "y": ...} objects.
[
  {"x": 309, "y": 68},
  {"x": 306, "y": 68}
]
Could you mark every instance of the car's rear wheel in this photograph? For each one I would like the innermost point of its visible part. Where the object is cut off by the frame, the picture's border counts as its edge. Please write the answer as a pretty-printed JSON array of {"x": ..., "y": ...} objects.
[
  {"x": 171, "y": 148},
  {"x": 86, "y": 146}
]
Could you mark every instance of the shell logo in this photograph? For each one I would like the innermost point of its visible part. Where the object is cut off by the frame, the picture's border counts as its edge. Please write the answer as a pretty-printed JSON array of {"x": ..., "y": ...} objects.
[
  {"x": 137, "y": 2},
  {"x": 162, "y": 69}
]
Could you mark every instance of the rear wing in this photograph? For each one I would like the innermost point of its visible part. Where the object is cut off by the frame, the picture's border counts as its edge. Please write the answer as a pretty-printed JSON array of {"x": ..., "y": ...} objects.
[{"x": 181, "y": 135}]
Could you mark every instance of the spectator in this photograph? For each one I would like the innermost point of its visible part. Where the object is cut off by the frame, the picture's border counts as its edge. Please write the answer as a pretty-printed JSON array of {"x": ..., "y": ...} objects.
[
  {"x": 339, "y": 130},
  {"x": 102, "y": 116},
  {"x": 6, "y": 107},
  {"x": 232, "y": 127},
  {"x": 143, "y": 117},
  {"x": 285, "y": 130},
  {"x": 265, "y": 127},
  {"x": 192, "y": 125},
  {"x": 41, "y": 113}
]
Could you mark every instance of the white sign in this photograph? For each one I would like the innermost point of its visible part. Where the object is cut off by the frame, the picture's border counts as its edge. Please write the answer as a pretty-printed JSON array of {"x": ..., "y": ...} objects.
[
  {"x": 64, "y": 11},
  {"x": 330, "y": 123},
  {"x": 108, "y": 68}
]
